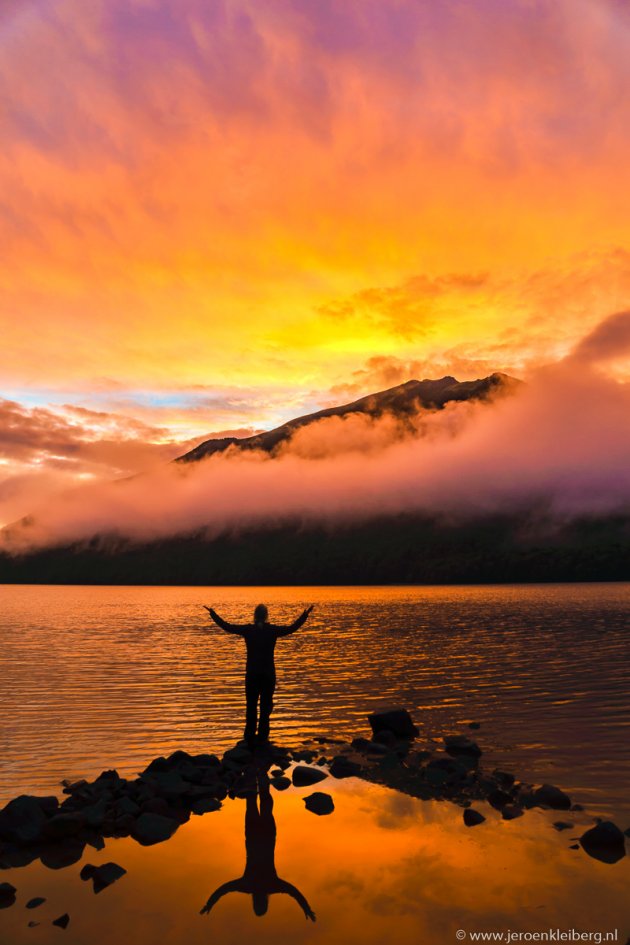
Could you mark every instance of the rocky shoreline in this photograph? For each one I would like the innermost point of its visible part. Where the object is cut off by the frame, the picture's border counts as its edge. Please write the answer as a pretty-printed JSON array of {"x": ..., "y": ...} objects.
[{"x": 151, "y": 807}]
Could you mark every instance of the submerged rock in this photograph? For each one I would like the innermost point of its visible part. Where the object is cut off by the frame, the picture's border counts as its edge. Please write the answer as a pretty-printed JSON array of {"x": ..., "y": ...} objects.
[
  {"x": 7, "y": 895},
  {"x": 62, "y": 922},
  {"x": 472, "y": 817},
  {"x": 396, "y": 721},
  {"x": 550, "y": 796},
  {"x": 319, "y": 803},
  {"x": 35, "y": 902},
  {"x": 560, "y": 825},
  {"x": 103, "y": 876},
  {"x": 281, "y": 783},
  {"x": 604, "y": 842},
  {"x": 303, "y": 776}
]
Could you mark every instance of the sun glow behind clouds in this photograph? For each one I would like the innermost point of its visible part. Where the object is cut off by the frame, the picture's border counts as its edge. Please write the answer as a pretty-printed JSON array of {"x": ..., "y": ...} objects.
[{"x": 255, "y": 201}]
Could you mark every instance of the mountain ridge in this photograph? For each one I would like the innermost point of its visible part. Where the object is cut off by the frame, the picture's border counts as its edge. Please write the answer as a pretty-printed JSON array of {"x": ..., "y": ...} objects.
[{"x": 402, "y": 400}]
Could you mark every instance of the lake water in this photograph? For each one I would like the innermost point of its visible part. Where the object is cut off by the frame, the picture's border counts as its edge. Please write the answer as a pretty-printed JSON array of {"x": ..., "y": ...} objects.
[{"x": 99, "y": 677}]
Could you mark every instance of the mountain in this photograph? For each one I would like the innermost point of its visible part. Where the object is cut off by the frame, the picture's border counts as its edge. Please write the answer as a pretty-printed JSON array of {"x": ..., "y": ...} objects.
[
  {"x": 402, "y": 401},
  {"x": 528, "y": 545}
]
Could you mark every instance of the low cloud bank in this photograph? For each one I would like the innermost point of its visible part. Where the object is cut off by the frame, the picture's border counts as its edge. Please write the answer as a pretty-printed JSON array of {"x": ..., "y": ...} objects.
[{"x": 562, "y": 440}]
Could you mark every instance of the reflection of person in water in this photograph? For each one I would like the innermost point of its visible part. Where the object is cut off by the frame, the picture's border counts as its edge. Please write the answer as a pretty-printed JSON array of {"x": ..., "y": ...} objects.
[
  {"x": 260, "y": 675},
  {"x": 260, "y": 879}
]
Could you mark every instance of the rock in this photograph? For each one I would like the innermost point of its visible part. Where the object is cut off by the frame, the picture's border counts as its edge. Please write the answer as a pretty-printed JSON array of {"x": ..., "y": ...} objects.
[
  {"x": 360, "y": 744},
  {"x": 386, "y": 738},
  {"x": 206, "y": 805},
  {"x": 604, "y": 842},
  {"x": 549, "y": 796},
  {"x": 206, "y": 761},
  {"x": 344, "y": 768},
  {"x": 32, "y": 924},
  {"x": 87, "y": 871},
  {"x": 111, "y": 775},
  {"x": 74, "y": 787},
  {"x": 303, "y": 776},
  {"x": 7, "y": 895},
  {"x": 280, "y": 784},
  {"x": 472, "y": 817},
  {"x": 319, "y": 803},
  {"x": 396, "y": 721},
  {"x": 23, "y": 819},
  {"x": 35, "y": 902},
  {"x": 153, "y": 828},
  {"x": 94, "y": 814},
  {"x": 239, "y": 755},
  {"x": 277, "y": 773},
  {"x": 511, "y": 812},
  {"x": 63, "y": 921},
  {"x": 63, "y": 825},
  {"x": 169, "y": 784},
  {"x": 103, "y": 876},
  {"x": 504, "y": 778},
  {"x": 59, "y": 854},
  {"x": 461, "y": 744},
  {"x": 474, "y": 725},
  {"x": 156, "y": 805},
  {"x": 126, "y": 806},
  {"x": 498, "y": 799},
  {"x": 574, "y": 846},
  {"x": 560, "y": 825}
]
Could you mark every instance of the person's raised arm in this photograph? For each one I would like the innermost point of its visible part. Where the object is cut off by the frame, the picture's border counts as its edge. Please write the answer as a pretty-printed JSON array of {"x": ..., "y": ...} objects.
[
  {"x": 295, "y": 893},
  {"x": 285, "y": 631},
  {"x": 220, "y": 622},
  {"x": 233, "y": 886}
]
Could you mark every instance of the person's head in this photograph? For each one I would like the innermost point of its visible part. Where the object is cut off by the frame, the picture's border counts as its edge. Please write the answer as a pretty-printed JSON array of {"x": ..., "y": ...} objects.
[
  {"x": 260, "y": 902},
  {"x": 260, "y": 614}
]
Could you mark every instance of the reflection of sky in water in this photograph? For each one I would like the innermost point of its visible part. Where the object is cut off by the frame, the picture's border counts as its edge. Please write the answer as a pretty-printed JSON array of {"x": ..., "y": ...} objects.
[
  {"x": 382, "y": 867},
  {"x": 111, "y": 677}
]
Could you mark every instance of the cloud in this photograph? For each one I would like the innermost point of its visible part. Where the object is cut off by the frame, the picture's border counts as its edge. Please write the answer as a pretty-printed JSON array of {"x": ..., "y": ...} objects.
[
  {"x": 560, "y": 441},
  {"x": 609, "y": 341}
]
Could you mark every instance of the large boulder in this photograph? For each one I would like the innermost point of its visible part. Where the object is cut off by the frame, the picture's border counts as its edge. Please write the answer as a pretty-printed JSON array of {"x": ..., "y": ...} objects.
[
  {"x": 24, "y": 818},
  {"x": 605, "y": 842},
  {"x": 396, "y": 721},
  {"x": 303, "y": 776}
]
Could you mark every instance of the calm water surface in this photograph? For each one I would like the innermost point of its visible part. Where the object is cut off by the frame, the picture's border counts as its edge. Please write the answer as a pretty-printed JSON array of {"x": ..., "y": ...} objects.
[{"x": 97, "y": 677}]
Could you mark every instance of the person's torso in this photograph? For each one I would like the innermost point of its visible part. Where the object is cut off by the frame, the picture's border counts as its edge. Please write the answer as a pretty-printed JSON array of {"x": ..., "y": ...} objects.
[{"x": 261, "y": 643}]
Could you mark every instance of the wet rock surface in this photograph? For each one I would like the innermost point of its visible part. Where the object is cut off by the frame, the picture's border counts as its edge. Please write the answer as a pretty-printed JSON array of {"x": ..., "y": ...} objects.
[{"x": 604, "y": 842}]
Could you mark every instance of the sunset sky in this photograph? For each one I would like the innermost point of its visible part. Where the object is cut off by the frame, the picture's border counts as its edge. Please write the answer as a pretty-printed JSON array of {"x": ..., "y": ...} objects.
[{"x": 218, "y": 214}]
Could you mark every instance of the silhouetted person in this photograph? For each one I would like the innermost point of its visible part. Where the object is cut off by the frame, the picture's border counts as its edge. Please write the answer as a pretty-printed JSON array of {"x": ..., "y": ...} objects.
[
  {"x": 260, "y": 675},
  {"x": 260, "y": 879}
]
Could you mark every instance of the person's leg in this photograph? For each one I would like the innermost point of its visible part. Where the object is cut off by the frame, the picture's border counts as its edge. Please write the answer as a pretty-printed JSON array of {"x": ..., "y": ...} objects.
[
  {"x": 266, "y": 705},
  {"x": 252, "y": 692}
]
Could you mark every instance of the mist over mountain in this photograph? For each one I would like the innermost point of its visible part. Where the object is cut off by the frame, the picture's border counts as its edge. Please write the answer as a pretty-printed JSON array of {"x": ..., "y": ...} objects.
[
  {"x": 402, "y": 402},
  {"x": 426, "y": 482}
]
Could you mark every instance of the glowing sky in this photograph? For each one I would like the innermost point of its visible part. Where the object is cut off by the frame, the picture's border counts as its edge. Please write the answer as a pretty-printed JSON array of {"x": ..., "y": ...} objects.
[{"x": 216, "y": 214}]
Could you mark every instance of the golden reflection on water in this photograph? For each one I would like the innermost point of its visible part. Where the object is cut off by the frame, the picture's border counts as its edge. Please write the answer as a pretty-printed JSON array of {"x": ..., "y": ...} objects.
[
  {"x": 97, "y": 677},
  {"x": 382, "y": 868}
]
